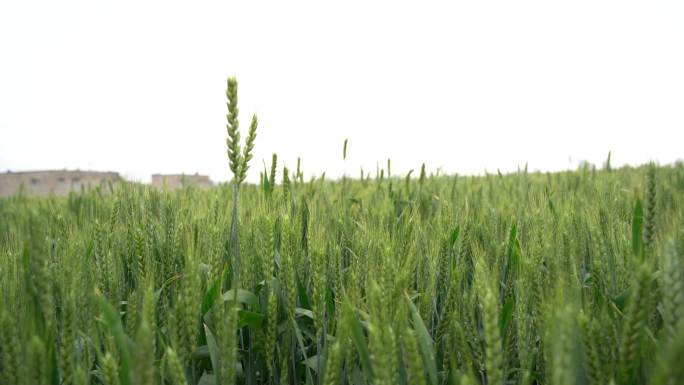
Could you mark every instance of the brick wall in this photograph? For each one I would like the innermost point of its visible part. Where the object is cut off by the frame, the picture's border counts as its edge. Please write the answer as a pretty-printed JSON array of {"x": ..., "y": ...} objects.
[{"x": 52, "y": 182}]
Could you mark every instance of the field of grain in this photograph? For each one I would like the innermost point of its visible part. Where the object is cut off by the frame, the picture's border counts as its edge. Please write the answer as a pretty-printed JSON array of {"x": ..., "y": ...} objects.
[{"x": 528, "y": 278}]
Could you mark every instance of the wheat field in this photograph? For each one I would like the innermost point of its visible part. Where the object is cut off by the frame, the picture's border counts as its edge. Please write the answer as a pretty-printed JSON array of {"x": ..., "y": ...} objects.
[{"x": 572, "y": 277}]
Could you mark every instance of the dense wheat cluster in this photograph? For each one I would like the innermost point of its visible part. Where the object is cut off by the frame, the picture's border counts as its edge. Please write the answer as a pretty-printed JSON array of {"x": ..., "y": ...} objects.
[{"x": 528, "y": 278}]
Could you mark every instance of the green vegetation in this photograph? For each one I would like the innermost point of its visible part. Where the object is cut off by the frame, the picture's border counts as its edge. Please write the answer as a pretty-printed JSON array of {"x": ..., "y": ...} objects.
[{"x": 528, "y": 278}]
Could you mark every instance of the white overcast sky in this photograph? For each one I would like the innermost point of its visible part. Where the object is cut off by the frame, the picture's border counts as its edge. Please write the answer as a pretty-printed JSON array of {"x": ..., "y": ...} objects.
[{"x": 139, "y": 86}]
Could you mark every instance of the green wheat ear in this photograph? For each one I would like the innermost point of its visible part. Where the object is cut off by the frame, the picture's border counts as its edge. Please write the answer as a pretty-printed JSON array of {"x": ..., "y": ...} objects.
[
  {"x": 238, "y": 157},
  {"x": 274, "y": 165},
  {"x": 672, "y": 279},
  {"x": 633, "y": 324},
  {"x": 249, "y": 147},
  {"x": 286, "y": 181},
  {"x": 174, "y": 368},
  {"x": 650, "y": 214},
  {"x": 232, "y": 125}
]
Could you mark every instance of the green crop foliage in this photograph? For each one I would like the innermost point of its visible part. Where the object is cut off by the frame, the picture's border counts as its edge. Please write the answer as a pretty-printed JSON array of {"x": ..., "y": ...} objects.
[{"x": 525, "y": 278}]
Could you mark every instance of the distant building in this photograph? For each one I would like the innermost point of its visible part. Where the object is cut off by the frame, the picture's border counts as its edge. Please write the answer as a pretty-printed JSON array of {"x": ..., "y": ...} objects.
[
  {"x": 173, "y": 181},
  {"x": 58, "y": 182}
]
